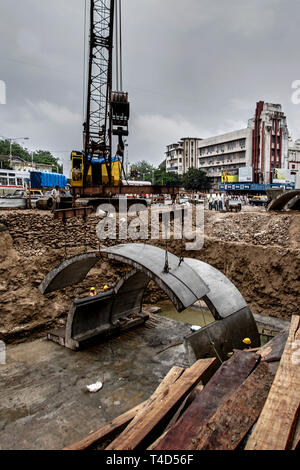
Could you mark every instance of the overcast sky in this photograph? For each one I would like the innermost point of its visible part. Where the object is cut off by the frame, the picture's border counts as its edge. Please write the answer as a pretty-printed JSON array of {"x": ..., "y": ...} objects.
[{"x": 192, "y": 68}]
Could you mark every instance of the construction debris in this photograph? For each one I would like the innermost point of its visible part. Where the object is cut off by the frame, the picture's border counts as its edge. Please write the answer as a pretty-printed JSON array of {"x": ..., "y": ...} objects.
[{"x": 250, "y": 402}]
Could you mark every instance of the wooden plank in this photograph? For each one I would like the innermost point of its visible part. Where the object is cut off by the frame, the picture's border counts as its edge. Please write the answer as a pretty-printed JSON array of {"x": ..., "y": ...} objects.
[
  {"x": 224, "y": 382},
  {"x": 65, "y": 214},
  {"x": 275, "y": 427},
  {"x": 136, "y": 432},
  {"x": 189, "y": 399},
  {"x": 296, "y": 440},
  {"x": 106, "y": 431},
  {"x": 273, "y": 350},
  {"x": 233, "y": 419}
]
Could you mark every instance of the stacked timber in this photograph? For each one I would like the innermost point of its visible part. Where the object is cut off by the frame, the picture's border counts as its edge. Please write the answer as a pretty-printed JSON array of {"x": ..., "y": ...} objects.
[{"x": 251, "y": 401}]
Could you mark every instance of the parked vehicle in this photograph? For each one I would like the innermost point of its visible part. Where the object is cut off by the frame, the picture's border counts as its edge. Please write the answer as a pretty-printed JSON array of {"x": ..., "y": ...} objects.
[
  {"x": 259, "y": 201},
  {"x": 11, "y": 180}
]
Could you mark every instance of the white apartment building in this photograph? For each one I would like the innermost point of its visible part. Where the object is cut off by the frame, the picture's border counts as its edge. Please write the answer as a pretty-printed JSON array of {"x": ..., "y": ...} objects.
[
  {"x": 182, "y": 155},
  {"x": 294, "y": 157},
  {"x": 263, "y": 145},
  {"x": 225, "y": 152}
]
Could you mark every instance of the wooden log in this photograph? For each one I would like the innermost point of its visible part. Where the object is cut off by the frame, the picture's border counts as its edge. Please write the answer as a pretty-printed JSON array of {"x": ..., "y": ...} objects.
[
  {"x": 224, "y": 382},
  {"x": 137, "y": 431},
  {"x": 104, "y": 433},
  {"x": 227, "y": 427},
  {"x": 276, "y": 425}
]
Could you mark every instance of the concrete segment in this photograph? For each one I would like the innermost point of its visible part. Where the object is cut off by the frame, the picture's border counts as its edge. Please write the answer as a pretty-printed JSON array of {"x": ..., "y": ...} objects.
[
  {"x": 221, "y": 337},
  {"x": 69, "y": 272},
  {"x": 223, "y": 297},
  {"x": 281, "y": 201},
  {"x": 181, "y": 283}
]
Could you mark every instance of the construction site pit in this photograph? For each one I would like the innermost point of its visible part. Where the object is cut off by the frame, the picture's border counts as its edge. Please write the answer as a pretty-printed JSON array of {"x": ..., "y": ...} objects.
[{"x": 45, "y": 384}]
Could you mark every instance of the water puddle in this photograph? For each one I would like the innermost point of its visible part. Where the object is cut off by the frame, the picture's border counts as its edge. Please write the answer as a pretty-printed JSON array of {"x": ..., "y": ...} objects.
[{"x": 198, "y": 314}]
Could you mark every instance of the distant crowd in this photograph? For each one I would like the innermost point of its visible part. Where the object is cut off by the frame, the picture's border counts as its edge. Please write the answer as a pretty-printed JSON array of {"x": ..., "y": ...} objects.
[{"x": 220, "y": 201}]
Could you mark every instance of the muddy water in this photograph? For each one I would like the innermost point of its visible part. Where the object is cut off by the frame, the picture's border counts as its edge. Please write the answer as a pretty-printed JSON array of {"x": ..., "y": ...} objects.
[{"x": 195, "y": 315}]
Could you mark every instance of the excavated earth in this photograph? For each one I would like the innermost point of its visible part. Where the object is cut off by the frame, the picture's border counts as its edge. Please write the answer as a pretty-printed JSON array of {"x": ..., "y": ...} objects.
[{"x": 258, "y": 251}]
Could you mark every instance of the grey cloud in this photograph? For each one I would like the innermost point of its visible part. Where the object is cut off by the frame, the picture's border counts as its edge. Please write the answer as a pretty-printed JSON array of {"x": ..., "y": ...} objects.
[{"x": 194, "y": 66}]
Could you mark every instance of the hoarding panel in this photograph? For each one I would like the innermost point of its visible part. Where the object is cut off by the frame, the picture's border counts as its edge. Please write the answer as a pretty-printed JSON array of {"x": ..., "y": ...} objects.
[
  {"x": 281, "y": 175},
  {"x": 230, "y": 176},
  {"x": 246, "y": 174}
]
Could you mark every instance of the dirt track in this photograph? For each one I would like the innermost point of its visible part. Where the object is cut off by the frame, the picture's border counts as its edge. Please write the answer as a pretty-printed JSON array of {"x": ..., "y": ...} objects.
[{"x": 258, "y": 251}]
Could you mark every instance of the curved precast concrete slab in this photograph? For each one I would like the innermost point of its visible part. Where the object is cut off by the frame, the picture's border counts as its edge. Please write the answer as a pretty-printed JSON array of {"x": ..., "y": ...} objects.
[
  {"x": 102, "y": 314},
  {"x": 235, "y": 320},
  {"x": 281, "y": 201},
  {"x": 221, "y": 337},
  {"x": 129, "y": 294},
  {"x": 294, "y": 204},
  {"x": 223, "y": 297},
  {"x": 71, "y": 271},
  {"x": 181, "y": 282}
]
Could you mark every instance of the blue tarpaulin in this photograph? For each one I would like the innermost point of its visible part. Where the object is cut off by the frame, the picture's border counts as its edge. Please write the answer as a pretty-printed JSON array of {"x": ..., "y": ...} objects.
[{"x": 40, "y": 179}]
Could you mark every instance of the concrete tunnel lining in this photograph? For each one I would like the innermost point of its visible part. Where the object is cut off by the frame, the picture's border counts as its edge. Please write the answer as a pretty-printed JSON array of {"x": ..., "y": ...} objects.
[
  {"x": 92, "y": 316},
  {"x": 281, "y": 201},
  {"x": 223, "y": 297},
  {"x": 182, "y": 284}
]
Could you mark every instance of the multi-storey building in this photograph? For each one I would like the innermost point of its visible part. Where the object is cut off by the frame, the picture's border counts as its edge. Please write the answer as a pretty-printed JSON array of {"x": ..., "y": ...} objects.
[
  {"x": 225, "y": 153},
  {"x": 262, "y": 146},
  {"x": 182, "y": 155},
  {"x": 294, "y": 158}
]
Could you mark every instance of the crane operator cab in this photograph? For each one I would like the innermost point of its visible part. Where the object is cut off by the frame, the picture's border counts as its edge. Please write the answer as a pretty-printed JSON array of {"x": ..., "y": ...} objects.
[
  {"x": 78, "y": 169},
  {"x": 97, "y": 172}
]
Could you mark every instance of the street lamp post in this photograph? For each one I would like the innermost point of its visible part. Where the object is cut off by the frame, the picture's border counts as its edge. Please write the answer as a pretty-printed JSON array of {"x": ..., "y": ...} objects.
[{"x": 11, "y": 140}]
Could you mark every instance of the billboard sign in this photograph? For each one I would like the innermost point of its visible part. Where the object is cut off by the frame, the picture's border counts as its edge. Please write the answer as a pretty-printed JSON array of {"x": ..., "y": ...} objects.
[
  {"x": 230, "y": 176},
  {"x": 281, "y": 175},
  {"x": 246, "y": 174}
]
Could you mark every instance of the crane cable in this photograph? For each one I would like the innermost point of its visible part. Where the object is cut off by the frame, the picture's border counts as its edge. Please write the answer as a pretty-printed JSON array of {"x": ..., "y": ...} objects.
[
  {"x": 121, "y": 55},
  {"x": 84, "y": 60},
  {"x": 119, "y": 46}
]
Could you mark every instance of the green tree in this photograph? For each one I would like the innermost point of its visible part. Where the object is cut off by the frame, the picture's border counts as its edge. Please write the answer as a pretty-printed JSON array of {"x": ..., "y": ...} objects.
[
  {"x": 195, "y": 180},
  {"x": 44, "y": 156},
  {"x": 143, "y": 170},
  {"x": 162, "y": 177},
  {"x": 39, "y": 156}
]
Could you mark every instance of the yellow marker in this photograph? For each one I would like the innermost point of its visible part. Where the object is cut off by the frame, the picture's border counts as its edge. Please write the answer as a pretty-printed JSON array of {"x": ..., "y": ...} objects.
[
  {"x": 247, "y": 341},
  {"x": 106, "y": 287}
]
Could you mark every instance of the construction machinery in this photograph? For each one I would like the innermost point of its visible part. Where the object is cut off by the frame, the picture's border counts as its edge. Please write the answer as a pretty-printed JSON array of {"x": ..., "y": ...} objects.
[{"x": 97, "y": 170}]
